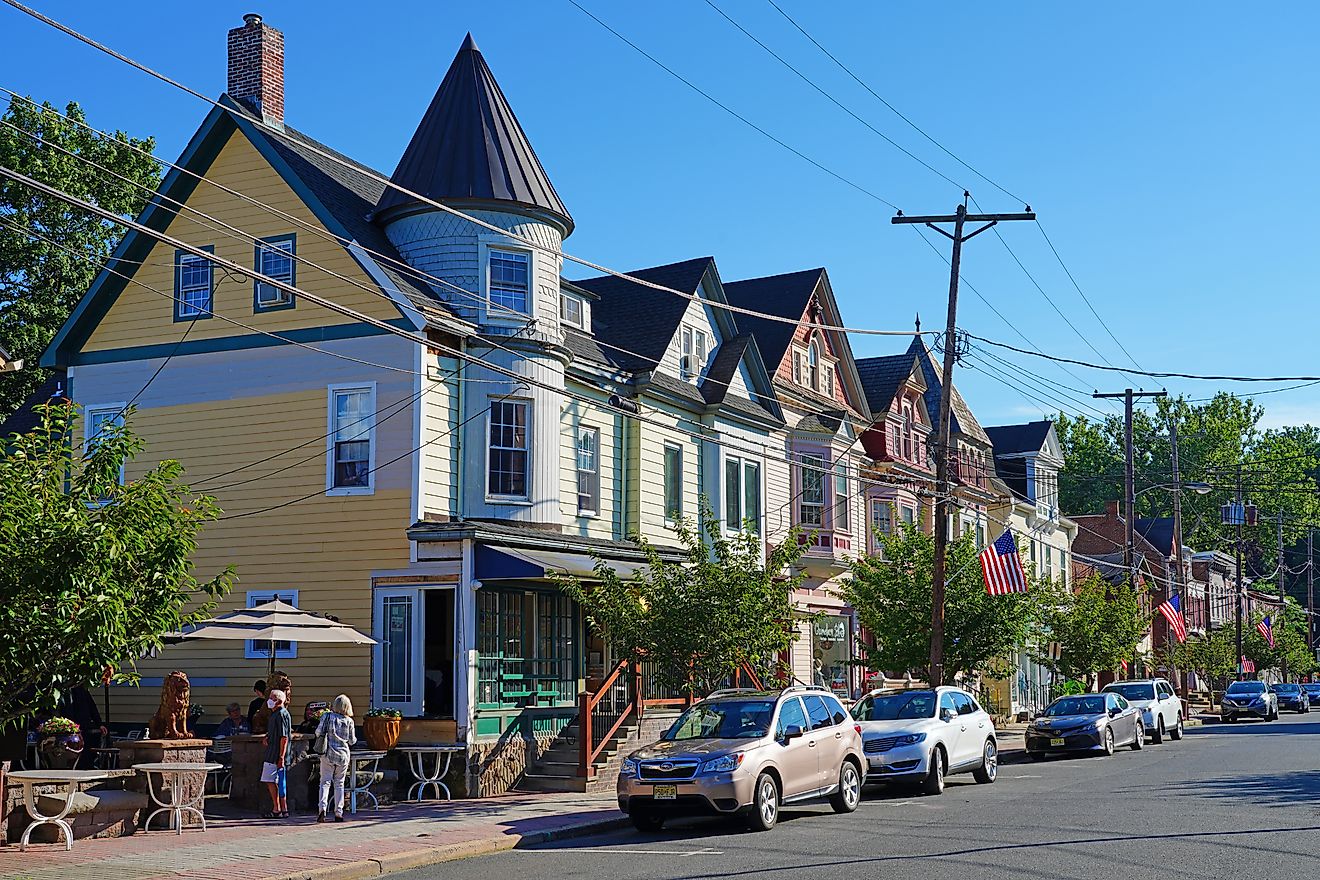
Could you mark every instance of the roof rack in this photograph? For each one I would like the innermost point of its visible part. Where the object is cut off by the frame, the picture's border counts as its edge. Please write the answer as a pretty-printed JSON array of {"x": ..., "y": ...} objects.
[
  {"x": 793, "y": 688},
  {"x": 725, "y": 692}
]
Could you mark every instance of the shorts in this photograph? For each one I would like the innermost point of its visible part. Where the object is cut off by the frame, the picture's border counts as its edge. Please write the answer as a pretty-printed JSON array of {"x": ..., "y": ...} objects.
[{"x": 277, "y": 775}]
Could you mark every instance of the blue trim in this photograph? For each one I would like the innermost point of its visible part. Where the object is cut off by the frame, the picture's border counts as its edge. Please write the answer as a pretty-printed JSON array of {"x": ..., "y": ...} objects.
[
  {"x": 292, "y": 238},
  {"x": 209, "y": 311},
  {"x": 235, "y": 343}
]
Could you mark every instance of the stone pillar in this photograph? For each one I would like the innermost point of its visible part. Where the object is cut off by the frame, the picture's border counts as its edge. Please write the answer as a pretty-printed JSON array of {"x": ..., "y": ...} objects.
[
  {"x": 165, "y": 751},
  {"x": 246, "y": 790}
]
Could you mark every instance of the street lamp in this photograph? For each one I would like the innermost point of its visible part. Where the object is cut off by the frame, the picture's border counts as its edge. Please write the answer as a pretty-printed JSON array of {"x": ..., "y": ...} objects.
[{"x": 1193, "y": 486}]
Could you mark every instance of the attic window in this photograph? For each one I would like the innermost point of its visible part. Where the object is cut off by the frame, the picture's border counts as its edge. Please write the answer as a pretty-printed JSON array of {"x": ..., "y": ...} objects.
[
  {"x": 274, "y": 258},
  {"x": 813, "y": 365},
  {"x": 193, "y": 282},
  {"x": 696, "y": 346},
  {"x": 572, "y": 310},
  {"x": 828, "y": 373},
  {"x": 510, "y": 281}
]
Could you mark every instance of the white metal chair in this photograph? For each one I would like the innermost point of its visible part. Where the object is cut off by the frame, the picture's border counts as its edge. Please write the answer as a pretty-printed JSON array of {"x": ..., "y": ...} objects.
[{"x": 222, "y": 752}]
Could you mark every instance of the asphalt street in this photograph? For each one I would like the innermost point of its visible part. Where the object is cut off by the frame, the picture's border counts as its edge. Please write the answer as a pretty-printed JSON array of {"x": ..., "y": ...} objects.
[{"x": 1229, "y": 800}]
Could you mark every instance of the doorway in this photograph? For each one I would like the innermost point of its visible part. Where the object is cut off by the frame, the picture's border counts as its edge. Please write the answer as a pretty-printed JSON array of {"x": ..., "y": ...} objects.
[
  {"x": 438, "y": 654},
  {"x": 414, "y": 657}
]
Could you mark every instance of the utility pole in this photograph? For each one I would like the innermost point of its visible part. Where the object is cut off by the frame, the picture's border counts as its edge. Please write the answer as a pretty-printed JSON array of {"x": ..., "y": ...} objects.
[
  {"x": 1240, "y": 514},
  {"x": 1177, "y": 532},
  {"x": 1310, "y": 591},
  {"x": 943, "y": 487},
  {"x": 1129, "y": 481}
]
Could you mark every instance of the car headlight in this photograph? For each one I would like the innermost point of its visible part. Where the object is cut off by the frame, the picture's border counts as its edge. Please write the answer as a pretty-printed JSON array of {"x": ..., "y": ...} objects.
[
  {"x": 723, "y": 764},
  {"x": 911, "y": 739},
  {"x": 630, "y": 767}
]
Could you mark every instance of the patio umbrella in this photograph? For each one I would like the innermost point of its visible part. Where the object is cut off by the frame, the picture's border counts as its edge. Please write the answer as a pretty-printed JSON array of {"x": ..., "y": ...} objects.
[{"x": 273, "y": 622}]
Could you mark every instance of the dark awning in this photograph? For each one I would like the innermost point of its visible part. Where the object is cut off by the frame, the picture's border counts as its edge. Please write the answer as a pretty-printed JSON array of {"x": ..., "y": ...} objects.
[{"x": 503, "y": 563}]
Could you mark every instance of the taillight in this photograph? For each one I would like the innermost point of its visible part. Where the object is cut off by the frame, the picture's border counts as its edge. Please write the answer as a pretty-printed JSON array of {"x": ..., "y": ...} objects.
[{"x": 858, "y": 728}]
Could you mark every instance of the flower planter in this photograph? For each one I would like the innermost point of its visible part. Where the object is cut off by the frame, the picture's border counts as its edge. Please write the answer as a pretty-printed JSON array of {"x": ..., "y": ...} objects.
[
  {"x": 381, "y": 732},
  {"x": 61, "y": 751}
]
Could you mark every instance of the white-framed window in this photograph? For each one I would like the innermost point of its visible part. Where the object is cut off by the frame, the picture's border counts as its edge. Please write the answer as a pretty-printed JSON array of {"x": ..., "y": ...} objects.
[
  {"x": 828, "y": 372},
  {"x": 842, "y": 496},
  {"x": 507, "y": 455},
  {"x": 572, "y": 310},
  {"x": 258, "y": 650},
  {"x": 882, "y": 512},
  {"x": 797, "y": 367},
  {"x": 588, "y": 471},
  {"x": 907, "y": 432},
  {"x": 980, "y": 536},
  {"x": 908, "y": 515},
  {"x": 509, "y": 280},
  {"x": 193, "y": 285},
  {"x": 273, "y": 257},
  {"x": 98, "y": 420},
  {"x": 673, "y": 482},
  {"x": 811, "y": 500},
  {"x": 742, "y": 494},
  {"x": 695, "y": 348},
  {"x": 813, "y": 365},
  {"x": 351, "y": 440}
]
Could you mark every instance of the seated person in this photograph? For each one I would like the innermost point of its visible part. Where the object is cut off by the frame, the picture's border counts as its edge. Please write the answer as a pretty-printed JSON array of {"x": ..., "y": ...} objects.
[{"x": 234, "y": 724}]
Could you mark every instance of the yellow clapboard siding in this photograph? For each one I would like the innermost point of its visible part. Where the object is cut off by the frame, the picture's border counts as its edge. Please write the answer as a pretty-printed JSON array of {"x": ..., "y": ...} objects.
[{"x": 141, "y": 317}]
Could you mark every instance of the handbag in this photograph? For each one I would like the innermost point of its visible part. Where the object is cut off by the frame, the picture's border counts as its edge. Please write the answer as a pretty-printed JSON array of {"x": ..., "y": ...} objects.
[{"x": 319, "y": 745}]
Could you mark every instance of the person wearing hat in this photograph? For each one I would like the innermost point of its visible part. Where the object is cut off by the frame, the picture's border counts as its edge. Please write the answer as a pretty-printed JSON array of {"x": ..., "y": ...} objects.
[{"x": 273, "y": 772}]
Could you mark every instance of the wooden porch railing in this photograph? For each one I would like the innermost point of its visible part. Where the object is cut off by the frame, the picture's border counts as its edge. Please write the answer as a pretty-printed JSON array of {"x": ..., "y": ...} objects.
[{"x": 600, "y": 715}]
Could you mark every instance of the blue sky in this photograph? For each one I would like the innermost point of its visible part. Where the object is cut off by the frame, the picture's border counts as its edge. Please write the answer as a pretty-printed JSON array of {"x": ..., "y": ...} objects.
[{"x": 1168, "y": 149}]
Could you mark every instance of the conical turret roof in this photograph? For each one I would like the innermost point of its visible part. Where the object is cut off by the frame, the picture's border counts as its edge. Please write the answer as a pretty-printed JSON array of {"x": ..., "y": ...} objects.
[{"x": 469, "y": 145}]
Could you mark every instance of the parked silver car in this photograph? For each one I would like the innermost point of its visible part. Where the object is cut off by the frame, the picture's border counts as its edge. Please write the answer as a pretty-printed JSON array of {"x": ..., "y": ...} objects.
[{"x": 1086, "y": 723}]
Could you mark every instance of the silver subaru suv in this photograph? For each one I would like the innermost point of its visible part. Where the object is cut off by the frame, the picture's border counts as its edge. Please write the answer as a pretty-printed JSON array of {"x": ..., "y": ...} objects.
[{"x": 747, "y": 752}]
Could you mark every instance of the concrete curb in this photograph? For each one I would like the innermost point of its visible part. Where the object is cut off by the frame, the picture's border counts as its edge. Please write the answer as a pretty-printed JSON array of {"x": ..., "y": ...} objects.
[{"x": 421, "y": 858}]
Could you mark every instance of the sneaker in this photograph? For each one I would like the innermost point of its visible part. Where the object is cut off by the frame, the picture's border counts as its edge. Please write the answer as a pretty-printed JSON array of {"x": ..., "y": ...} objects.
[{"x": 339, "y": 818}]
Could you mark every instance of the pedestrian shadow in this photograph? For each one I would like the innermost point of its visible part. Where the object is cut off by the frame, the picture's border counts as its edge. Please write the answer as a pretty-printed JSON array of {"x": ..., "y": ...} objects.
[{"x": 1287, "y": 789}]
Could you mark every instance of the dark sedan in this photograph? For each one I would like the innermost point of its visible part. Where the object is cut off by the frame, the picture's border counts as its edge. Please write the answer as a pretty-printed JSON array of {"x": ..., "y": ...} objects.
[
  {"x": 1312, "y": 692},
  {"x": 1293, "y": 697},
  {"x": 1083, "y": 723}
]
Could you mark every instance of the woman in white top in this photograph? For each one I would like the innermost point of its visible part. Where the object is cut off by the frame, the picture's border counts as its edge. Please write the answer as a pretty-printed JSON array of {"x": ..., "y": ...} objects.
[{"x": 338, "y": 729}]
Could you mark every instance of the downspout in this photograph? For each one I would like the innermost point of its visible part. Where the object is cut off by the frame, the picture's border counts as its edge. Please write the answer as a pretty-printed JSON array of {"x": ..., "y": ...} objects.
[
  {"x": 625, "y": 452},
  {"x": 460, "y": 462}
]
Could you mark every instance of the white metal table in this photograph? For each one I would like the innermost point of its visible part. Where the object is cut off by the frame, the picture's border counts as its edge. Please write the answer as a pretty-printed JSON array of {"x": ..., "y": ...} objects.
[
  {"x": 363, "y": 767},
  {"x": 176, "y": 806},
  {"x": 69, "y": 780},
  {"x": 434, "y": 777}
]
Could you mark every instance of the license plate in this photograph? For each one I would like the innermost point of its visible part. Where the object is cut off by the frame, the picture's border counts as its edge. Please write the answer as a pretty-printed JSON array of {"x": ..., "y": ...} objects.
[
  {"x": 1056, "y": 741},
  {"x": 665, "y": 792},
  {"x": 877, "y": 763}
]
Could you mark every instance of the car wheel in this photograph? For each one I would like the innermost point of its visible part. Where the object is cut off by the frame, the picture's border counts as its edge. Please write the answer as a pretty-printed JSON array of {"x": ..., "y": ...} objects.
[
  {"x": 645, "y": 820},
  {"x": 1227, "y": 719},
  {"x": 1177, "y": 732},
  {"x": 849, "y": 795},
  {"x": 765, "y": 803},
  {"x": 934, "y": 781},
  {"x": 1109, "y": 741},
  {"x": 988, "y": 772},
  {"x": 1037, "y": 756},
  {"x": 1158, "y": 736},
  {"x": 1139, "y": 738}
]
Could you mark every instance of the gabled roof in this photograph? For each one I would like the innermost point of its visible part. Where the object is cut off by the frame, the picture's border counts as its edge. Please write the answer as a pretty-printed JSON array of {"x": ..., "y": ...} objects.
[
  {"x": 882, "y": 377},
  {"x": 961, "y": 419},
  {"x": 641, "y": 319},
  {"x": 785, "y": 296},
  {"x": 1016, "y": 439},
  {"x": 25, "y": 418},
  {"x": 469, "y": 145},
  {"x": 1158, "y": 531}
]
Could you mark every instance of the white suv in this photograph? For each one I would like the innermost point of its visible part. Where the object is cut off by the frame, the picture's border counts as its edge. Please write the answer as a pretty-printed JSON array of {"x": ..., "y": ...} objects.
[
  {"x": 923, "y": 736},
  {"x": 1161, "y": 710}
]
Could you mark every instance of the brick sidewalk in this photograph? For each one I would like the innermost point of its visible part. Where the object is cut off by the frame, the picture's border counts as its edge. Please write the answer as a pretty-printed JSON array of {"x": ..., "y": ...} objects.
[{"x": 372, "y": 843}]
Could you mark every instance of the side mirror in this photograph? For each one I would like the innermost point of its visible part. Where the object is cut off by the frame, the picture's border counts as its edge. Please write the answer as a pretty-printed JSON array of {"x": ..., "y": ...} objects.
[
  {"x": 1037, "y": 715},
  {"x": 947, "y": 715},
  {"x": 792, "y": 732},
  {"x": 1114, "y": 712}
]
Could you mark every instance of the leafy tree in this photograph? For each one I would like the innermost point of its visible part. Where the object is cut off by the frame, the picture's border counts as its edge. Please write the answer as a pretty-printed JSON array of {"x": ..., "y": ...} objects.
[
  {"x": 1096, "y": 624},
  {"x": 92, "y": 574},
  {"x": 700, "y": 619},
  {"x": 892, "y": 596},
  {"x": 1093, "y": 465},
  {"x": 1289, "y": 654},
  {"x": 40, "y": 282}
]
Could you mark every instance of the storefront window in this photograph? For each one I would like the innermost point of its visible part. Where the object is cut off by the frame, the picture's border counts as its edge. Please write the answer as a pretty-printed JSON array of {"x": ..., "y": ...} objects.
[
  {"x": 526, "y": 650},
  {"x": 831, "y": 652}
]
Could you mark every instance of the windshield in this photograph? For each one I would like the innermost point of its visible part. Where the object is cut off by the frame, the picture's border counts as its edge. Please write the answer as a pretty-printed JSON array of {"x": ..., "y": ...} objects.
[
  {"x": 1312, "y": 688},
  {"x": 1246, "y": 687},
  {"x": 895, "y": 707},
  {"x": 1087, "y": 705},
  {"x": 724, "y": 719},
  {"x": 1287, "y": 688},
  {"x": 1133, "y": 691}
]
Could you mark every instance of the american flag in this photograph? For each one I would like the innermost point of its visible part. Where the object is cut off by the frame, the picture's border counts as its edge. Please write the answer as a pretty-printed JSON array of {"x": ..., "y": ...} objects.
[
  {"x": 1124, "y": 664},
  {"x": 1002, "y": 567},
  {"x": 1172, "y": 611},
  {"x": 1246, "y": 665},
  {"x": 1266, "y": 629}
]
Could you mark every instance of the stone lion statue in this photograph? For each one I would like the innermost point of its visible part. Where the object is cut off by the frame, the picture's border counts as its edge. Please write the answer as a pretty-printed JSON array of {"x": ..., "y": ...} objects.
[
  {"x": 171, "y": 719},
  {"x": 277, "y": 682}
]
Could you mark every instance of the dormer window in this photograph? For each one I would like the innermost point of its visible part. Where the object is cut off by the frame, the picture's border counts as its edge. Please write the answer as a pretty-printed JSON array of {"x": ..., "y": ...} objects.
[
  {"x": 510, "y": 281},
  {"x": 907, "y": 431},
  {"x": 573, "y": 311},
  {"x": 695, "y": 348}
]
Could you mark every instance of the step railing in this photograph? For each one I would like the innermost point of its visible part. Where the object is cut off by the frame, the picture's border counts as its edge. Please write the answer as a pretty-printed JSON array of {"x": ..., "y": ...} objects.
[{"x": 601, "y": 714}]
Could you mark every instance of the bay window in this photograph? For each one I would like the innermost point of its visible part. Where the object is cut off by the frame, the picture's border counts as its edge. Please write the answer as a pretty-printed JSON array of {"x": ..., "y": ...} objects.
[
  {"x": 811, "y": 500},
  {"x": 507, "y": 453}
]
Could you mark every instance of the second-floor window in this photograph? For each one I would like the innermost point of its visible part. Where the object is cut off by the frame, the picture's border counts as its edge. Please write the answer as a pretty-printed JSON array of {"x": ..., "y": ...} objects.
[
  {"x": 588, "y": 470},
  {"x": 510, "y": 281},
  {"x": 673, "y": 482},
  {"x": 881, "y": 514},
  {"x": 98, "y": 422},
  {"x": 811, "y": 501},
  {"x": 506, "y": 458},
  {"x": 193, "y": 283},
  {"x": 742, "y": 494},
  {"x": 352, "y": 416},
  {"x": 274, "y": 258},
  {"x": 842, "y": 496}
]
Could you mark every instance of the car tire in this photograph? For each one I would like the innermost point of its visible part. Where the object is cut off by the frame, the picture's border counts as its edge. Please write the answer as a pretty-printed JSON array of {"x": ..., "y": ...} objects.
[
  {"x": 1108, "y": 745},
  {"x": 1139, "y": 741},
  {"x": 765, "y": 803},
  {"x": 646, "y": 821},
  {"x": 934, "y": 781},
  {"x": 988, "y": 772},
  {"x": 1177, "y": 732},
  {"x": 1037, "y": 756},
  {"x": 1157, "y": 737},
  {"x": 849, "y": 795},
  {"x": 1227, "y": 719}
]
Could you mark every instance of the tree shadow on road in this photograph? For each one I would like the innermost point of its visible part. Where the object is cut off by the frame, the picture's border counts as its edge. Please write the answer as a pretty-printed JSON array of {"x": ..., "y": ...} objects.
[
  {"x": 1255, "y": 728},
  {"x": 1285, "y": 789}
]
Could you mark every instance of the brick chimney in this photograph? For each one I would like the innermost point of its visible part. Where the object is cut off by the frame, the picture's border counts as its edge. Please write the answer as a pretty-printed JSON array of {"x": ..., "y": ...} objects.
[
  {"x": 1114, "y": 509},
  {"x": 256, "y": 68}
]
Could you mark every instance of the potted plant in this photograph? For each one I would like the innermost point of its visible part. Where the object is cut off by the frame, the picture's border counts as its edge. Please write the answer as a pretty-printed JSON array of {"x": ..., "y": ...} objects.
[
  {"x": 381, "y": 729},
  {"x": 61, "y": 743}
]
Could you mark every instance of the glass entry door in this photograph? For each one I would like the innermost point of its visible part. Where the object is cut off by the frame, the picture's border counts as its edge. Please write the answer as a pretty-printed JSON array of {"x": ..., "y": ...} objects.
[{"x": 398, "y": 679}]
